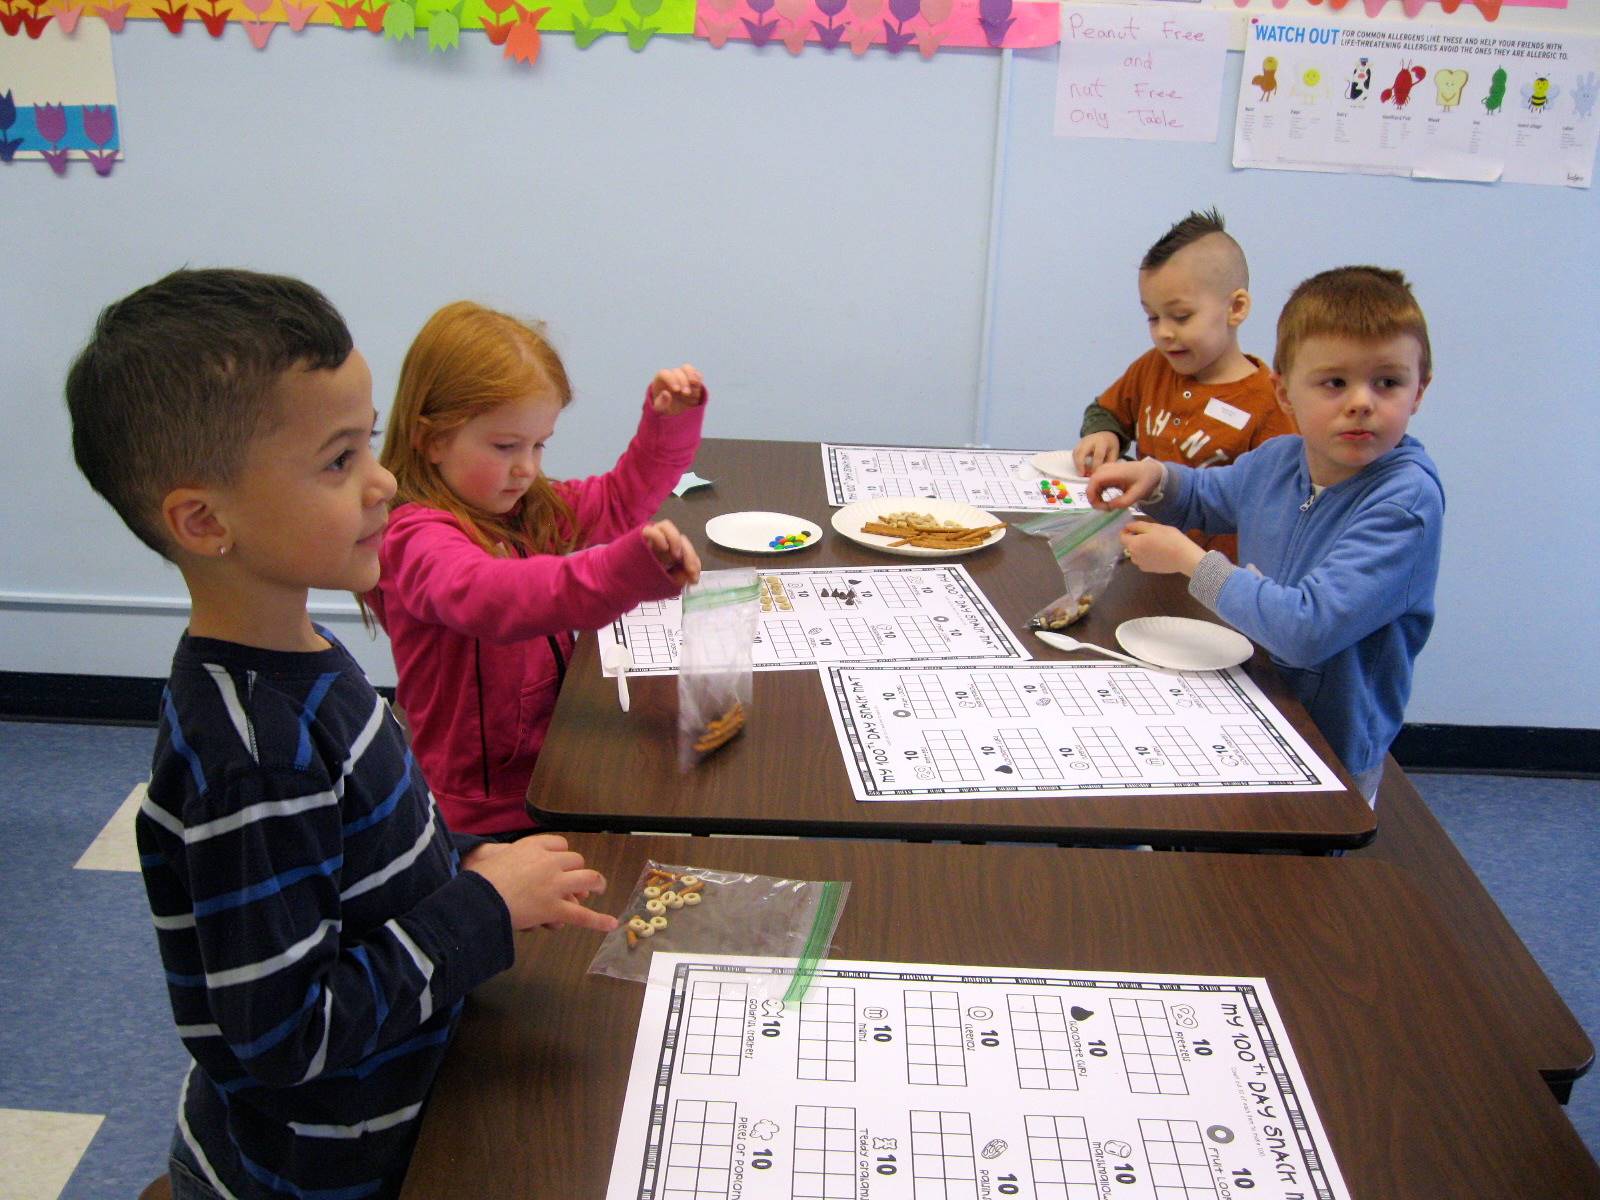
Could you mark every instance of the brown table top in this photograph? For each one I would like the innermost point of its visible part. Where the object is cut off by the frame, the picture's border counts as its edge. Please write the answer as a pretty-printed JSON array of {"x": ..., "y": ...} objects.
[
  {"x": 785, "y": 773},
  {"x": 1416, "y": 1066},
  {"x": 1410, "y": 837}
]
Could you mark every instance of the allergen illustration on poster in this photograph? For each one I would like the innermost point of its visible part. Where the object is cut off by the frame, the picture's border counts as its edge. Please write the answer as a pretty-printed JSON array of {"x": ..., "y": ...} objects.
[{"x": 1426, "y": 101}]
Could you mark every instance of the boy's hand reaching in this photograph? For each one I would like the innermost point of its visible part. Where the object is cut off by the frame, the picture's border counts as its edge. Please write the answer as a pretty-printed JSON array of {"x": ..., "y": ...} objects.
[
  {"x": 1096, "y": 450},
  {"x": 673, "y": 551},
  {"x": 677, "y": 388},
  {"x": 1136, "y": 479},
  {"x": 542, "y": 882},
  {"x": 1160, "y": 549}
]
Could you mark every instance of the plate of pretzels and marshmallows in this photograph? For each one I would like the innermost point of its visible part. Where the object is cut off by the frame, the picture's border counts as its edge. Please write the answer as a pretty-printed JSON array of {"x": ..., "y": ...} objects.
[{"x": 918, "y": 526}]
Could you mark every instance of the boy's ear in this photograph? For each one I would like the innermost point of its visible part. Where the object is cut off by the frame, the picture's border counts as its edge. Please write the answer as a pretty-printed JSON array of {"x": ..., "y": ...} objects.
[
  {"x": 1238, "y": 307},
  {"x": 1282, "y": 392},
  {"x": 190, "y": 520}
]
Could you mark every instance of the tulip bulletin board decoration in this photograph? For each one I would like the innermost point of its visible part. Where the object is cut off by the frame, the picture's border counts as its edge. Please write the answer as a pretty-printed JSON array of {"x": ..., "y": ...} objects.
[
  {"x": 58, "y": 99},
  {"x": 515, "y": 26},
  {"x": 512, "y": 25},
  {"x": 896, "y": 25}
]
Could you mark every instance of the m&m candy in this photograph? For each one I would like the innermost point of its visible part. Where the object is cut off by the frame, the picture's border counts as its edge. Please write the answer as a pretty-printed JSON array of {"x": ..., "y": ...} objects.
[{"x": 1055, "y": 492}]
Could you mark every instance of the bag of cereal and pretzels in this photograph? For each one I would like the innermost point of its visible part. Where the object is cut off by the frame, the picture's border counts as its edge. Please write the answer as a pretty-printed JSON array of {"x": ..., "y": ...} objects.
[{"x": 715, "y": 661}]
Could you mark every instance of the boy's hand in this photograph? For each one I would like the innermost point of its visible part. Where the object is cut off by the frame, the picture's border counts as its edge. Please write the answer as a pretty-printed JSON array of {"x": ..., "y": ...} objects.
[
  {"x": 1096, "y": 450},
  {"x": 1136, "y": 479},
  {"x": 677, "y": 388},
  {"x": 1160, "y": 549},
  {"x": 543, "y": 883},
  {"x": 673, "y": 551}
]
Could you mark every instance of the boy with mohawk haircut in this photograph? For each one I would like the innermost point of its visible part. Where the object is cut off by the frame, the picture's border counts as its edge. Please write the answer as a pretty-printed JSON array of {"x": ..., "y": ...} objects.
[
  {"x": 316, "y": 926},
  {"x": 1343, "y": 523},
  {"x": 1195, "y": 398}
]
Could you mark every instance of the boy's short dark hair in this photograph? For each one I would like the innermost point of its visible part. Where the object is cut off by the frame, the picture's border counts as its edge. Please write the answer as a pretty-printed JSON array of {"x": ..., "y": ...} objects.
[
  {"x": 175, "y": 382},
  {"x": 1365, "y": 304},
  {"x": 1187, "y": 232}
]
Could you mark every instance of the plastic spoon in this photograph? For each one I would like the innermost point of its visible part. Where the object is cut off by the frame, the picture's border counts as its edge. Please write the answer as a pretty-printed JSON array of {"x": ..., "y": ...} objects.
[
  {"x": 616, "y": 660},
  {"x": 1062, "y": 642}
]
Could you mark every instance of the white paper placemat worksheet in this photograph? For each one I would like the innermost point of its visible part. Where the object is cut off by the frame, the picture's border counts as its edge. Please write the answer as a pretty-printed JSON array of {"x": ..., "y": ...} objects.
[
  {"x": 989, "y": 730},
  {"x": 903, "y": 1081},
  {"x": 843, "y": 614}
]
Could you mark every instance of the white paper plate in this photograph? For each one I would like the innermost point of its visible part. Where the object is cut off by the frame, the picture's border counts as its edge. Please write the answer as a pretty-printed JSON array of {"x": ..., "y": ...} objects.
[
  {"x": 849, "y": 520},
  {"x": 754, "y": 532},
  {"x": 1184, "y": 644},
  {"x": 1057, "y": 464}
]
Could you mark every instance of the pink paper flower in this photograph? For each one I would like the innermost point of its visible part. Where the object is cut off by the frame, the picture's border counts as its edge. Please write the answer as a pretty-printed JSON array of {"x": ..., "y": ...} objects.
[
  {"x": 114, "y": 15},
  {"x": 866, "y": 10},
  {"x": 793, "y": 10},
  {"x": 937, "y": 12},
  {"x": 715, "y": 32}
]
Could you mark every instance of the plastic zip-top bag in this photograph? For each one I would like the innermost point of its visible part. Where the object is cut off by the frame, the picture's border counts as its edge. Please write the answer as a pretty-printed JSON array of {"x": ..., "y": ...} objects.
[
  {"x": 1087, "y": 548},
  {"x": 716, "y": 658},
  {"x": 702, "y": 910}
]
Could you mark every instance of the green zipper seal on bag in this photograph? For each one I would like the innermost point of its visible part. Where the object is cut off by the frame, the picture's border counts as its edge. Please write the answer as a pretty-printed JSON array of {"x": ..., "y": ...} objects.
[
  {"x": 1083, "y": 533},
  {"x": 693, "y": 601},
  {"x": 822, "y": 927}
]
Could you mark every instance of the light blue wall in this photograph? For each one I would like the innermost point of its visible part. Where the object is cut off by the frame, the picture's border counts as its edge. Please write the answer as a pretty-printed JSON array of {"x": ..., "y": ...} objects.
[
  {"x": 812, "y": 232},
  {"x": 1509, "y": 277}
]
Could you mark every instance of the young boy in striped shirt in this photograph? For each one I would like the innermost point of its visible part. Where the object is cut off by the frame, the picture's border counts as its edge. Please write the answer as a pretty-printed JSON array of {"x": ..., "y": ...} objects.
[{"x": 315, "y": 922}]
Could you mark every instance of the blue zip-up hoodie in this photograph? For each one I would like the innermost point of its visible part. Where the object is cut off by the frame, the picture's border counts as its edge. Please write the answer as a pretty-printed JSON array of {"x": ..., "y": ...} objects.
[{"x": 1344, "y": 598}]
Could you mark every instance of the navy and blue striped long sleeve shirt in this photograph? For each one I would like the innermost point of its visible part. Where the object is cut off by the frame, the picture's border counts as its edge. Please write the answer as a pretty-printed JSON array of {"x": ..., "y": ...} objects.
[{"x": 316, "y": 934}]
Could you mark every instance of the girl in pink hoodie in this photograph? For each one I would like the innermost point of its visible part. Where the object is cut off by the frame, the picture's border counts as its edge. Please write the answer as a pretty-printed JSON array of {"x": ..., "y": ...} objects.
[{"x": 488, "y": 566}]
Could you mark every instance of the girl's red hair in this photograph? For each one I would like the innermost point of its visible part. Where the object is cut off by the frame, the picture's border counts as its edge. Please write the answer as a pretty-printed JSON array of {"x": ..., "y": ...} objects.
[{"x": 468, "y": 360}]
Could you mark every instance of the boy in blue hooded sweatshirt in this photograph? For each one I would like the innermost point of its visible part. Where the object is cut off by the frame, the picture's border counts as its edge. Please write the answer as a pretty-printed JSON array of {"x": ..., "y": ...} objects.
[{"x": 1341, "y": 524}]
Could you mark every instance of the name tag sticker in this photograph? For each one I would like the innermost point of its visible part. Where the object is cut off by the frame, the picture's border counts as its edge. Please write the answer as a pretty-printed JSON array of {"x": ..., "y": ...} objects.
[{"x": 1222, "y": 411}]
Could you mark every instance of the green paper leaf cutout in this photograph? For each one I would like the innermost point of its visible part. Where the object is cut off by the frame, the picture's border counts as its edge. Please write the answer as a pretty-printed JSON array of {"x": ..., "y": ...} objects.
[
  {"x": 444, "y": 31},
  {"x": 639, "y": 35},
  {"x": 399, "y": 21},
  {"x": 585, "y": 35}
]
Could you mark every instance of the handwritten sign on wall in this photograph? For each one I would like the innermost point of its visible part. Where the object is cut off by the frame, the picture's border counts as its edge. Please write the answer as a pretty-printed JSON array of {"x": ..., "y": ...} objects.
[{"x": 1147, "y": 71}]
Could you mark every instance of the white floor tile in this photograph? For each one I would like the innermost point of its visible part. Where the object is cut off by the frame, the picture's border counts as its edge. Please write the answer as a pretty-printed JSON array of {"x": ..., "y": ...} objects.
[
  {"x": 45, "y": 1149},
  {"x": 114, "y": 848}
]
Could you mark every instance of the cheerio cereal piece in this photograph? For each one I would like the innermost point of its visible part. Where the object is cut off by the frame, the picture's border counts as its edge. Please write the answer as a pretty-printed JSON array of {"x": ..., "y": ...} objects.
[{"x": 690, "y": 899}]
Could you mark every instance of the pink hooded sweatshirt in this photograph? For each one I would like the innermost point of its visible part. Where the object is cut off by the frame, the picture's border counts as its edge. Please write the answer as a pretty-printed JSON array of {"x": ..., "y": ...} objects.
[{"x": 481, "y": 643}]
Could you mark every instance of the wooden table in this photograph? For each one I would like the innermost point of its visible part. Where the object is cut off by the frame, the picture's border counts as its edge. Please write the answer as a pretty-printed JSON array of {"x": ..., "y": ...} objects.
[
  {"x": 785, "y": 775},
  {"x": 1411, "y": 838},
  {"x": 1419, "y": 1070}
]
